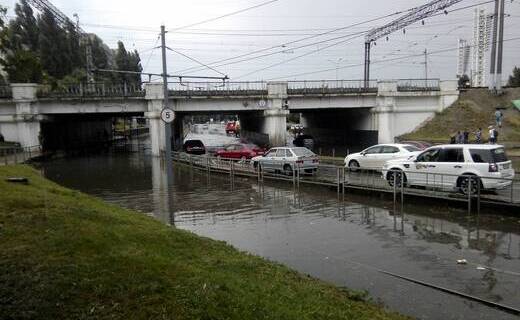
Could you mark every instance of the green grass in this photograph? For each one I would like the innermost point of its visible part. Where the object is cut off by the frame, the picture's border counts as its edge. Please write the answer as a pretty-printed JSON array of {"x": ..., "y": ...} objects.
[
  {"x": 66, "y": 255},
  {"x": 474, "y": 108}
]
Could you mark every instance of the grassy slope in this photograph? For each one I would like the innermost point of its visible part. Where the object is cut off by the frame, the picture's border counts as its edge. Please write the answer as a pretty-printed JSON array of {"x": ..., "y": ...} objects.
[
  {"x": 474, "y": 108},
  {"x": 66, "y": 255}
]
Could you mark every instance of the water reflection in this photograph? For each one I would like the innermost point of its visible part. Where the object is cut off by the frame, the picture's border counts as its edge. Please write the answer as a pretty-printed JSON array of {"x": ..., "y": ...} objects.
[
  {"x": 162, "y": 194},
  {"x": 344, "y": 241}
]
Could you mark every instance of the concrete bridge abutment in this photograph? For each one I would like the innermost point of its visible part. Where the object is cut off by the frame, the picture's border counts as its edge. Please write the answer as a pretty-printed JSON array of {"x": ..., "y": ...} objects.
[
  {"x": 23, "y": 125},
  {"x": 275, "y": 117},
  {"x": 154, "y": 98}
]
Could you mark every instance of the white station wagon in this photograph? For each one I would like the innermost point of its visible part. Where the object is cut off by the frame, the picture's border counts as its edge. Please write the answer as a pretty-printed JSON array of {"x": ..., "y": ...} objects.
[{"x": 451, "y": 166}]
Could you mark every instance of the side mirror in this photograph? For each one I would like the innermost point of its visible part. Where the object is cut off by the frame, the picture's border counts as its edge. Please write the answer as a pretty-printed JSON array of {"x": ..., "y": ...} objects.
[{"x": 363, "y": 154}]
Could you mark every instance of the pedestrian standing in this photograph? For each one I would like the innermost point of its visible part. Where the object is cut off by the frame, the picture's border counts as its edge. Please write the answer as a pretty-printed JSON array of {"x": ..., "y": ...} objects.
[
  {"x": 495, "y": 135},
  {"x": 453, "y": 139},
  {"x": 465, "y": 137},
  {"x": 459, "y": 138},
  {"x": 498, "y": 118},
  {"x": 491, "y": 135},
  {"x": 478, "y": 136}
]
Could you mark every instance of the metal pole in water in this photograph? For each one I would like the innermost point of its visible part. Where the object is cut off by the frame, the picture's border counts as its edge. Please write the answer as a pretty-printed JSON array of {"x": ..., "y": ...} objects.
[
  {"x": 338, "y": 182},
  {"x": 469, "y": 194},
  {"x": 395, "y": 188},
  {"x": 478, "y": 200},
  {"x": 343, "y": 183}
]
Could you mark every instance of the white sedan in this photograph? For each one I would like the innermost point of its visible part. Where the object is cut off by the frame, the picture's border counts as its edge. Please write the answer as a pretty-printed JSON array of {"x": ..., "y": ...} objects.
[{"x": 376, "y": 156}]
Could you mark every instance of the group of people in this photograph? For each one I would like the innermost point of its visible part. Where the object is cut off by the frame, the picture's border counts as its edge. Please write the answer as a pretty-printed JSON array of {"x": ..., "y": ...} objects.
[{"x": 463, "y": 137}]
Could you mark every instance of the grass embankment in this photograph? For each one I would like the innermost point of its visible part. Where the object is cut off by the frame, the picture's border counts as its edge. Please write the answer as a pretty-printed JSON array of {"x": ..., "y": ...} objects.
[
  {"x": 475, "y": 108},
  {"x": 65, "y": 255}
]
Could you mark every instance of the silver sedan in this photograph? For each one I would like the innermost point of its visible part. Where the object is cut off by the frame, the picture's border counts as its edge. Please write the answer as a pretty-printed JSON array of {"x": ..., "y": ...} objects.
[{"x": 287, "y": 160}]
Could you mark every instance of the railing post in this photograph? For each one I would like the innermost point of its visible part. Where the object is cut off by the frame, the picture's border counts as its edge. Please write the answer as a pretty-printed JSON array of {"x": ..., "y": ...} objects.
[
  {"x": 125, "y": 89},
  {"x": 338, "y": 182},
  {"x": 469, "y": 194},
  {"x": 512, "y": 194},
  {"x": 343, "y": 182}
]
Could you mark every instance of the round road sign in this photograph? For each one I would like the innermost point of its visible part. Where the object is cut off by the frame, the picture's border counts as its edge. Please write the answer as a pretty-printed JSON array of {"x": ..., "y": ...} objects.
[{"x": 167, "y": 115}]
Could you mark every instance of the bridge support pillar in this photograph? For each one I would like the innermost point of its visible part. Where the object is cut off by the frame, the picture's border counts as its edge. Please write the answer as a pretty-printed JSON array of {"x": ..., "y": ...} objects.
[
  {"x": 24, "y": 126},
  {"x": 275, "y": 117},
  {"x": 384, "y": 114},
  {"x": 154, "y": 97}
]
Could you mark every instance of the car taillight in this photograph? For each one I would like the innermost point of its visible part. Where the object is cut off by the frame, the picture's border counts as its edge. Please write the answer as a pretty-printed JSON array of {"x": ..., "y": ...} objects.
[
  {"x": 493, "y": 167},
  {"x": 299, "y": 161},
  {"x": 315, "y": 161}
]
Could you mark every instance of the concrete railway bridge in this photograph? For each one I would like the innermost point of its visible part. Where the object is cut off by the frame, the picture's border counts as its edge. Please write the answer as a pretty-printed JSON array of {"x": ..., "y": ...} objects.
[{"x": 344, "y": 109}]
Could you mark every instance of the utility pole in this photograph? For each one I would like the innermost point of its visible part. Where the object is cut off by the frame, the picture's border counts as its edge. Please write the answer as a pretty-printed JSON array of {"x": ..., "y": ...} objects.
[
  {"x": 500, "y": 48},
  {"x": 426, "y": 64},
  {"x": 167, "y": 126},
  {"x": 495, "y": 70}
]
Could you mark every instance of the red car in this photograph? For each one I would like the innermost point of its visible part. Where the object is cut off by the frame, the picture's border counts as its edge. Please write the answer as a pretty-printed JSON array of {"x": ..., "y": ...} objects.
[
  {"x": 232, "y": 127},
  {"x": 240, "y": 151}
]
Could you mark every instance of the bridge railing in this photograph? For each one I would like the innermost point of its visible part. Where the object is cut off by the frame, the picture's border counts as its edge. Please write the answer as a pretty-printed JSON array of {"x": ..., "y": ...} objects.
[
  {"x": 6, "y": 92},
  {"x": 85, "y": 90},
  {"x": 418, "y": 85},
  {"x": 330, "y": 87},
  {"x": 253, "y": 88}
]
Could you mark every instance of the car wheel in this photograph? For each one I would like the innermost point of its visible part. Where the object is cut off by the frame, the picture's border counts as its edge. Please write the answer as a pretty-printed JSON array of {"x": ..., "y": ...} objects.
[
  {"x": 466, "y": 187},
  {"x": 353, "y": 165},
  {"x": 396, "y": 177},
  {"x": 287, "y": 170}
]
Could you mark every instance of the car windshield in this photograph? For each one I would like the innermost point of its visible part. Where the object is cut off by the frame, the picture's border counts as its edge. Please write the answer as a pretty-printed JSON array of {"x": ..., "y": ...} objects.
[
  {"x": 488, "y": 156},
  {"x": 194, "y": 143},
  {"x": 303, "y": 152},
  {"x": 411, "y": 148}
]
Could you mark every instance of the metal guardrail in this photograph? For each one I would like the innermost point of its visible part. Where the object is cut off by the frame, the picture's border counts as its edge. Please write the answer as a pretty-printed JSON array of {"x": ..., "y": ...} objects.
[
  {"x": 209, "y": 89},
  {"x": 410, "y": 85},
  {"x": 343, "y": 179},
  {"x": 330, "y": 87},
  {"x": 17, "y": 154},
  {"x": 6, "y": 92},
  {"x": 203, "y": 89},
  {"x": 86, "y": 90}
]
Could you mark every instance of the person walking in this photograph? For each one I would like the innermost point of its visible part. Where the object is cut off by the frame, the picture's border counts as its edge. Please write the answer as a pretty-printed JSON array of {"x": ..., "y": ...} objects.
[
  {"x": 465, "y": 137},
  {"x": 491, "y": 135},
  {"x": 478, "y": 136},
  {"x": 498, "y": 118}
]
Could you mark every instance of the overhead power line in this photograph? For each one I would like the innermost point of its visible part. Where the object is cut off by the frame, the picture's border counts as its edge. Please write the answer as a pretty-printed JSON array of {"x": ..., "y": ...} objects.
[
  {"x": 224, "y": 16},
  {"x": 421, "y": 54},
  {"x": 299, "y": 40},
  {"x": 195, "y": 60}
]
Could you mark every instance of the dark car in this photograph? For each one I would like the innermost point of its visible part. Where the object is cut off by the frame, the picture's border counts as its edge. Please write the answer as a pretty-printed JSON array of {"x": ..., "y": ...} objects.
[
  {"x": 422, "y": 145},
  {"x": 194, "y": 147},
  {"x": 240, "y": 151},
  {"x": 304, "y": 141}
]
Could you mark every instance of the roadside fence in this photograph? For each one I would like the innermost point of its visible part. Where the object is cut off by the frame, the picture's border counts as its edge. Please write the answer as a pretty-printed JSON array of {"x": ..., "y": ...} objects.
[
  {"x": 17, "y": 154},
  {"x": 460, "y": 188}
]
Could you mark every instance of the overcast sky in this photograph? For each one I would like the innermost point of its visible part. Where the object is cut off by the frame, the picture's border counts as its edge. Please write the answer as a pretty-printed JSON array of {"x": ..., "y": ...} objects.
[{"x": 137, "y": 23}]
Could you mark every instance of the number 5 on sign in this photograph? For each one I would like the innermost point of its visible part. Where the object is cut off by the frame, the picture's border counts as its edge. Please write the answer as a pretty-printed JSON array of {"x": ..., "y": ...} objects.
[{"x": 167, "y": 115}]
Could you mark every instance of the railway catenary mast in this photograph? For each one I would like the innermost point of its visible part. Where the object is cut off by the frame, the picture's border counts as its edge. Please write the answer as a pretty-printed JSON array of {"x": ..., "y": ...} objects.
[
  {"x": 417, "y": 14},
  {"x": 62, "y": 19}
]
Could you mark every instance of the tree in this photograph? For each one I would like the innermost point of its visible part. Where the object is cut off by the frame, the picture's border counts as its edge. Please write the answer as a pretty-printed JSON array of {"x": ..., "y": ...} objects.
[
  {"x": 514, "y": 79},
  {"x": 52, "y": 46},
  {"x": 464, "y": 81},
  {"x": 16, "y": 41},
  {"x": 24, "y": 29},
  {"x": 23, "y": 67},
  {"x": 128, "y": 61}
]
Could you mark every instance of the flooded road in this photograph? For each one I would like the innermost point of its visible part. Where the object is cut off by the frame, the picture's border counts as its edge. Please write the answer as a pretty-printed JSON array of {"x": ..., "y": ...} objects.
[{"x": 347, "y": 242}]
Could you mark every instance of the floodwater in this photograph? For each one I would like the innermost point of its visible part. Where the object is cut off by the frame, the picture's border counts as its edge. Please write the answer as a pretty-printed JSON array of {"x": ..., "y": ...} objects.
[{"x": 348, "y": 242}]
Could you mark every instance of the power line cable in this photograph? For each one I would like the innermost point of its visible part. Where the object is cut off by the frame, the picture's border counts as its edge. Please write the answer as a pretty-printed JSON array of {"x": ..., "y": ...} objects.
[
  {"x": 195, "y": 60},
  {"x": 224, "y": 16},
  {"x": 379, "y": 61},
  {"x": 300, "y": 56},
  {"x": 302, "y": 39},
  {"x": 151, "y": 53}
]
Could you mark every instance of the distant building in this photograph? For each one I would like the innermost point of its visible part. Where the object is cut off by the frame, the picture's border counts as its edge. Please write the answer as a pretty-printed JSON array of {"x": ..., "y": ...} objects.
[
  {"x": 482, "y": 26},
  {"x": 463, "y": 58}
]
